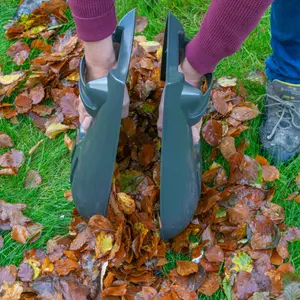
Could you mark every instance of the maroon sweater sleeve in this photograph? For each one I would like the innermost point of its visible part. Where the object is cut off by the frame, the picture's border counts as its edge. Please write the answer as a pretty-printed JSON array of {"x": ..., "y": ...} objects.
[
  {"x": 95, "y": 19},
  {"x": 226, "y": 25}
]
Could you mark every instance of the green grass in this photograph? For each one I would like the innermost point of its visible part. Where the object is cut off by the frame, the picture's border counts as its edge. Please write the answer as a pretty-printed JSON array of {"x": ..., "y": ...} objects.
[{"x": 46, "y": 203}]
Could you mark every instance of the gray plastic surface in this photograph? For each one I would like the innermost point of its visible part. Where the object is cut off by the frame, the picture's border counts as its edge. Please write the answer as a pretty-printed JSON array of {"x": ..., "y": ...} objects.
[
  {"x": 180, "y": 159},
  {"x": 94, "y": 156}
]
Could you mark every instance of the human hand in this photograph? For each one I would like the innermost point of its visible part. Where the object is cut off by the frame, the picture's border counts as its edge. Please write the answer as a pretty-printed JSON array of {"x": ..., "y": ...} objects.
[{"x": 194, "y": 78}]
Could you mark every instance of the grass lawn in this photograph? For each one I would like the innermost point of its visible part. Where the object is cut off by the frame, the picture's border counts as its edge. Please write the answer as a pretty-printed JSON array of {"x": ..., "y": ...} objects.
[{"x": 46, "y": 204}]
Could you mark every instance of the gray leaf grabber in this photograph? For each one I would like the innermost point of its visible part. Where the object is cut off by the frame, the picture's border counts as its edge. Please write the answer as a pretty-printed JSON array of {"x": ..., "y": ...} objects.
[
  {"x": 94, "y": 156},
  {"x": 180, "y": 185}
]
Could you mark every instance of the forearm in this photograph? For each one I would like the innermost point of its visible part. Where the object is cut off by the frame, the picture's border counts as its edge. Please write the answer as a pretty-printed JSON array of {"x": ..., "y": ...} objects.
[
  {"x": 226, "y": 25},
  {"x": 95, "y": 19}
]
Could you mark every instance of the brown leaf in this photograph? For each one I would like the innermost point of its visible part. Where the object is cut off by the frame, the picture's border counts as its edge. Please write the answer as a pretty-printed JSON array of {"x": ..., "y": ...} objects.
[
  {"x": 23, "y": 103},
  {"x": 6, "y": 111},
  {"x": 99, "y": 223},
  {"x": 68, "y": 195},
  {"x": 68, "y": 104},
  {"x": 269, "y": 173},
  {"x": 264, "y": 233},
  {"x": 227, "y": 147},
  {"x": 185, "y": 267},
  {"x": 212, "y": 132},
  {"x": 41, "y": 45},
  {"x": 146, "y": 154},
  {"x": 33, "y": 149},
  {"x": 42, "y": 110},
  {"x": 290, "y": 235},
  {"x": 220, "y": 100},
  {"x": 12, "y": 159},
  {"x": 129, "y": 126},
  {"x": 65, "y": 266},
  {"x": 108, "y": 280},
  {"x": 25, "y": 272},
  {"x": 32, "y": 180},
  {"x": 1, "y": 242},
  {"x": 8, "y": 274},
  {"x": 245, "y": 285},
  {"x": 208, "y": 235},
  {"x": 214, "y": 254},
  {"x": 211, "y": 284},
  {"x": 140, "y": 23},
  {"x": 150, "y": 46},
  {"x": 19, "y": 51},
  {"x": 20, "y": 234},
  {"x": 274, "y": 212},
  {"x": 37, "y": 94},
  {"x": 68, "y": 142},
  {"x": 9, "y": 171},
  {"x": 126, "y": 203},
  {"x": 54, "y": 129},
  {"x": 115, "y": 290},
  {"x": 5, "y": 140},
  {"x": 245, "y": 111}
]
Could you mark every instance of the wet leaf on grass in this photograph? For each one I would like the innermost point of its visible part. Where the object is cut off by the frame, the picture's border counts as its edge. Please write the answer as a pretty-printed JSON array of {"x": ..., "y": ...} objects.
[
  {"x": 19, "y": 51},
  {"x": 32, "y": 180},
  {"x": 212, "y": 132},
  {"x": 5, "y": 140}
]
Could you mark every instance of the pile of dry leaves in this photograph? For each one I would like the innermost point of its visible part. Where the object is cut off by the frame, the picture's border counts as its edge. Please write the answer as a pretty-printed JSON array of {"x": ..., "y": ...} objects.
[{"x": 236, "y": 241}]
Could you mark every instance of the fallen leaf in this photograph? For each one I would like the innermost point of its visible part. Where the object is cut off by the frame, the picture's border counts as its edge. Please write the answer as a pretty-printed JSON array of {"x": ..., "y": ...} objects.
[
  {"x": 211, "y": 284},
  {"x": 140, "y": 23},
  {"x": 115, "y": 290},
  {"x": 20, "y": 234},
  {"x": 11, "y": 78},
  {"x": 32, "y": 180},
  {"x": 261, "y": 160},
  {"x": 220, "y": 100},
  {"x": 214, "y": 254},
  {"x": 33, "y": 149},
  {"x": 127, "y": 204},
  {"x": 5, "y": 140},
  {"x": 11, "y": 292},
  {"x": 23, "y": 103},
  {"x": 37, "y": 94},
  {"x": 54, "y": 129},
  {"x": 68, "y": 195},
  {"x": 99, "y": 223},
  {"x": 291, "y": 234},
  {"x": 1, "y": 242},
  {"x": 65, "y": 266},
  {"x": 42, "y": 110},
  {"x": 19, "y": 51},
  {"x": 25, "y": 272},
  {"x": 146, "y": 154},
  {"x": 269, "y": 173},
  {"x": 185, "y": 267},
  {"x": 12, "y": 159},
  {"x": 227, "y": 147},
  {"x": 226, "y": 82},
  {"x": 212, "y": 132},
  {"x": 298, "y": 180},
  {"x": 257, "y": 76},
  {"x": 68, "y": 142},
  {"x": 104, "y": 243},
  {"x": 245, "y": 113},
  {"x": 150, "y": 46}
]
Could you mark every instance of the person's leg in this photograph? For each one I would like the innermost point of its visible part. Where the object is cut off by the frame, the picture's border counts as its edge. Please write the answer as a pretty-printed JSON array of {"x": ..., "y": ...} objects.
[
  {"x": 280, "y": 132},
  {"x": 284, "y": 63}
]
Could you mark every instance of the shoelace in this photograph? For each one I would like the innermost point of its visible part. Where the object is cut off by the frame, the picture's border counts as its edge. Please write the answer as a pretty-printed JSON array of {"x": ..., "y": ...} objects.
[{"x": 284, "y": 107}]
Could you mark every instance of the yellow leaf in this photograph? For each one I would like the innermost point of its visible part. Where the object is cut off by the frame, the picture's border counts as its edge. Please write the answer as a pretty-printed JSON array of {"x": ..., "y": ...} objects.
[
  {"x": 104, "y": 243},
  {"x": 36, "y": 270},
  {"x": 34, "y": 31},
  {"x": 54, "y": 129},
  {"x": 242, "y": 262},
  {"x": 11, "y": 78},
  {"x": 127, "y": 204}
]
